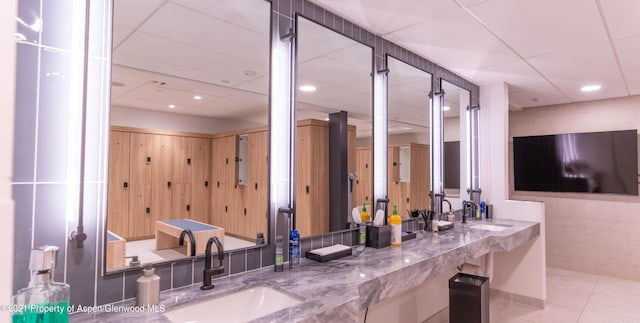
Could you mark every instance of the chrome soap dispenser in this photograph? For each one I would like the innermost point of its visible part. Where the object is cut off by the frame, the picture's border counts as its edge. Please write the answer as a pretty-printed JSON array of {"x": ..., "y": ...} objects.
[{"x": 43, "y": 300}]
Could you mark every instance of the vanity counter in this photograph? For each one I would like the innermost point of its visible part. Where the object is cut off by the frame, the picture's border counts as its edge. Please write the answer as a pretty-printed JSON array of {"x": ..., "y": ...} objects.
[{"x": 337, "y": 290}]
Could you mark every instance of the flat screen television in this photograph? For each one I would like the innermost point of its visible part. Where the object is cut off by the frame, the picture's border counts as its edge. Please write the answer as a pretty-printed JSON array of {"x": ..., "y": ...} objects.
[{"x": 593, "y": 162}]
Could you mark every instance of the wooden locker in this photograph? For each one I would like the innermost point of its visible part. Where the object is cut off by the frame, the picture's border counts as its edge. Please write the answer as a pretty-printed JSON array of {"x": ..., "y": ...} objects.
[
  {"x": 118, "y": 193},
  {"x": 218, "y": 205},
  {"x": 141, "y": 220},
  {"x": 162, "y": 182},
  {"x": 312, "y": 178},
  {"x": 201, "y": 180},
  {"x": 420, "y": 177},
  {"x": 181, "y": 201},
  {"x": 182, "y": 159},
  {"x": 363, "y": 188},
  {"x": 141, "y": 158}
]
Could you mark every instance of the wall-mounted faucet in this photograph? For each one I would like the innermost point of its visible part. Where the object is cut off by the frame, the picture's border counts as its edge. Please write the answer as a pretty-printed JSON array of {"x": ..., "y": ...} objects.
[
  {"x": 208, "y": 271},
  {"x": 472, "y": 208},
  {"x": 448, "y": 203},
  {"x": 191, "y": 238}
]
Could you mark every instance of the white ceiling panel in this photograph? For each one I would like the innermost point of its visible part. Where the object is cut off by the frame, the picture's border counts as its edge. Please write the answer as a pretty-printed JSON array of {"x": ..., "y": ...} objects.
[
  {"x": 132, "y": 13},
  {"x": 622, "y": 17},
  {"x": 249, "y": 14},
  {"x": 120, "y": 33},
  {"x": 538, "y": 27},
  {"x": 455, "y": 40},
  {"x": 153, "y": 53},
  {"x": 348, "y": 76},
  {"x": 571, "y": 69},
  {"x": 384, "y": 16},
  {"x": 189, "y": 27},
  {"x": 629, "y": 53},
  {"x": 525, "y": 98}
]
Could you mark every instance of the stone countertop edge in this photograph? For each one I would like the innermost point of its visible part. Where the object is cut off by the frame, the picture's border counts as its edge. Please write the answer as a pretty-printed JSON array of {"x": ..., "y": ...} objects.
[{"x": 339, "y": 289}]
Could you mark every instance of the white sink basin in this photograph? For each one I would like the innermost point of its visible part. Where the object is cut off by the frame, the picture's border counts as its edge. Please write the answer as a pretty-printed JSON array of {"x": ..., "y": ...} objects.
[
  {"x": 241, "y": 306},
  {"x": 490, "y": 227}
]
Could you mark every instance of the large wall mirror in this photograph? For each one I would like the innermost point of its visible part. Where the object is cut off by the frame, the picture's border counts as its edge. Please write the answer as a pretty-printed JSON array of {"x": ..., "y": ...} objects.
[
  {"x": 456, "y": 101},
  {"x": 189, "y": 128},
  {"x": 408, "y": 137},
  {"x": 333, "y": 141}
]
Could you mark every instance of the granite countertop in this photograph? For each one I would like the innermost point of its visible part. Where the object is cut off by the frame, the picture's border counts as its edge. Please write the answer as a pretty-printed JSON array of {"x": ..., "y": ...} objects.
[{"x": 337, "y": 290}]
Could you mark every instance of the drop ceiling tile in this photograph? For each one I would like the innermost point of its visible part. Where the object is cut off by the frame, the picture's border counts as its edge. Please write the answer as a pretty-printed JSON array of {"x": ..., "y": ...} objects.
[
  {"x": 120, "y": 32},
  {"x": 571, "y": 69},
  {"x": 133, "y": 13},
  {"x": 537, "y": 27},
  {"x": 348, "y": 76},
  {"x": 628, "y": 50},
  {"x": 409, "y": 96},
  {"x": 455, "y": 41},
  {"x": 622, "y": 17},
  {"x": 523, "y": 99},
  {"x": 258, "y": 85},
  {"x": 249, "y": 14},
  {"x": 315, "y": 41},
  {"x": 197, "y": 30},
  {"x": 163, "y": 56},
  {"x": 383, "y": 16}
]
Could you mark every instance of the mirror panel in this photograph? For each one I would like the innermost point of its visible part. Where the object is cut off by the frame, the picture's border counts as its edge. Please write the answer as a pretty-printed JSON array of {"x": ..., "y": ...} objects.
[
  {"x": 339, "y": 69},
  {"x": 408, "y": 164},
  {"x": 189, "y": 128},
  {"x": 456, "y": 101}
]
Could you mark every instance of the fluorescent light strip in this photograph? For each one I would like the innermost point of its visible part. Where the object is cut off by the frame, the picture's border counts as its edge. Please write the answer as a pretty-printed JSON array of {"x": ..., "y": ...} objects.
[{"x": 380, "y": 135}]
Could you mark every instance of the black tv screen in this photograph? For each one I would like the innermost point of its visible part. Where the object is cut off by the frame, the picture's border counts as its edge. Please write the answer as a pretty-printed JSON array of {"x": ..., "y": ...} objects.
[
  {"x": 452, "y": 164},
  {"x": 593, "y": 162}
]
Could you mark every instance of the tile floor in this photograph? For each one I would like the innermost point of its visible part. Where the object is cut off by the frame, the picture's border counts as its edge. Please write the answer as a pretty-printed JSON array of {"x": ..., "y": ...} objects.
[{"x": 576, "y": 297}]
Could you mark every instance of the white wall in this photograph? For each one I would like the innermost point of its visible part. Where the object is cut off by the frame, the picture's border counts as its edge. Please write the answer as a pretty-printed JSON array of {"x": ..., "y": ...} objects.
[
  {"x": 520, "y": 272},
  {"x": 577, "y": 239},
  {"x": 8, "y": 10},
  {"x": 138, "y": 118}
]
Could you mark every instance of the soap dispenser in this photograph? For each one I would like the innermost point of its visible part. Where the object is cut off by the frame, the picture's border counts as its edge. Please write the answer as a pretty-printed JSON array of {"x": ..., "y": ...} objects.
[
  {"x": 148, "y": 292},
  {"x": 364, "y": 215},
  {"x": 43, "y": 300},
  {"x": 396, "y": 227}
]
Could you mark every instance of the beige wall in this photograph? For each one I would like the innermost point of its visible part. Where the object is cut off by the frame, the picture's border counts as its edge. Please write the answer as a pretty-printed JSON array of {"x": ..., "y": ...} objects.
[
  {"x": 7, "y": 88},
  {"x": 592, "y": 233}
]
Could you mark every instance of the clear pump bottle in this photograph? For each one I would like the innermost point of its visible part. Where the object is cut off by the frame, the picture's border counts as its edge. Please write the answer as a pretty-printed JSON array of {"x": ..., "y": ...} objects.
[{"x": 43, "y": 300}]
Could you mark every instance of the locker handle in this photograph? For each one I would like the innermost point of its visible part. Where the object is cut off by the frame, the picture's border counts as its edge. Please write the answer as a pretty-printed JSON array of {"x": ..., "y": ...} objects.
[
  {"x": 245, "y": 211},
  {"x": 226, "y": 161},
  {"x": 407, "y": 200},
  {"x": 256, "y": 185},
  {"x": 366, "y": 165},
  {"x": 357, "y": 181},
  {"x": 206, "y": 183},
  {"x": 169, "y": 184},
  {"x": 188, "y": 207},
  {"x": 148, "y": 160},
  {"x": 226, "y": 208},
  {"x": 395, "y": 164},
  {"x": 366, "y": 198},
  {"x": 188, "y": 161},
  {"x": 307, "y": 189},
  {"x": 126, "y": 184},
  {"x": 218, "y": 183},
  {"x": 148, "y": 210}
]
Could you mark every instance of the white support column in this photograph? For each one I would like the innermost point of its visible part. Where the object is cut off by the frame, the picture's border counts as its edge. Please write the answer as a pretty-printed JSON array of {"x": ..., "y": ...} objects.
[
  {"x": 520, "y": 273},
  {"x": 8, "y": 10}
]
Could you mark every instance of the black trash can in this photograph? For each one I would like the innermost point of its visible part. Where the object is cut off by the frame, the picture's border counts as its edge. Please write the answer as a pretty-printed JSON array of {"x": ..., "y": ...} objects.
[{"x": 468, "y": 299}]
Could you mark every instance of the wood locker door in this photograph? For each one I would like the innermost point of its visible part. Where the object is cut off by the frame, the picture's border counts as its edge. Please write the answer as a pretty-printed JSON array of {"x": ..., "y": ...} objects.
[
  {"x": 201, "y": 193},
  {"x": 118, "y": 193},
  {"x": 181, "y": 201},
  {"x": 141, "y": 221},
  {"x": 420, "y": 177},
  {"x": 162, "y": 181},
  {"x": 393, "y": 176},
  {"x": 141, "y": 158},
  {"x": 182, "y": 159},
  {"x": 362, "y": 190}
]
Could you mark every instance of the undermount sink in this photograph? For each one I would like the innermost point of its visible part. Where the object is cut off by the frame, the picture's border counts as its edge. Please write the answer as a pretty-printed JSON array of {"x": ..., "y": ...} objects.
[
  {"x": 490, "y": 227},
  {"x": 244, "y": 305}
]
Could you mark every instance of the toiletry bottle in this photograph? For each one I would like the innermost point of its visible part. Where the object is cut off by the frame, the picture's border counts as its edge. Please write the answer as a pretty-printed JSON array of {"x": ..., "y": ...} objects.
[
  {"x": 483, "y": 209},
  {"x": 279, "y": 254},
  {"x": 363, "y": 234},
  {"x": 294, "y": 249},
  {"x": 396, "y": 227},
  {"x": 364, "y": 215},
  {"x": 451, "y": 218},
  {"x": 43, "y": 300},
  {"x": 148, "y": 292}
]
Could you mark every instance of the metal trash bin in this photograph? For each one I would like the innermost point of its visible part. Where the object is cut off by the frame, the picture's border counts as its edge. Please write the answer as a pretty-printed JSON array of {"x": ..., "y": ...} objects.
[{"x": 468, "y": 299}]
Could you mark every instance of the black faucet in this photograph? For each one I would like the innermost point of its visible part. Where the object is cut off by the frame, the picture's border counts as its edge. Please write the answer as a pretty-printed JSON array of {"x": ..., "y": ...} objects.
[
  {"x": 470, "y": 209},
  {"x": 208, "y": 271},
  {"x": 191, "y": 238}
]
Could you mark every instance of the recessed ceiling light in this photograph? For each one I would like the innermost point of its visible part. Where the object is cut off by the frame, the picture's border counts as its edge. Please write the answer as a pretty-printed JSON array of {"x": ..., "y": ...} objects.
[
  {"x": 197, "y": 97},
  {"x": 446, "y": 108},
  {"x": 172, "y": 106},
  {"x": 249, "y": 73},
  {"x": 326, "y": 119},
  {"x": 307, "y": 88},
  {"x": 590, "y": 88}
]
